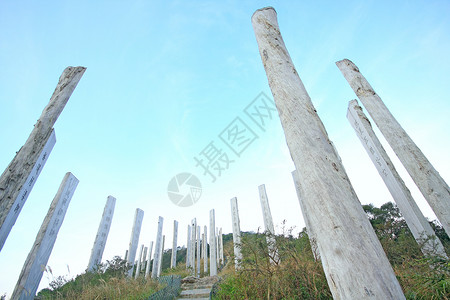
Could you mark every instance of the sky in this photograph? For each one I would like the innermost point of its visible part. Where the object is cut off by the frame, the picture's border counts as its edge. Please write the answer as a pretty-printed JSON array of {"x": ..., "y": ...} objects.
[{"x": 164, "y": 79}]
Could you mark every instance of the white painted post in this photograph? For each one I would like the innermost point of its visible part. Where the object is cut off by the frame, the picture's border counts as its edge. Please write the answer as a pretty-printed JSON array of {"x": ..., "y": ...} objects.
[
  {"x": 149, "y": 259},
  {"x": 173, "y": 261},
  {"x": 268, "y": 224},
  {"x": 37, "y": 259},
  {"x": 198, "y": 251},
  {"x": 21, "y": 174},
  {"x": 236, "y": 233},
  {"x": 158, "y": 248},
  {"x": 205, "y": 249},
  {"x": 138, "y": 266},
  {"x": 354, "y": 262},
  {"x": 309, "y": 228},
  {"x": 102, "y": 234},
  {"x": 193, "y": 239},
  {"x": 162, "y": 256},
  {"x": 419, "y": 226},
  {"x": 212, "y": 244},
  {"x": 430, "y": 183},
  {"x": 134, "y": 239},
  {"x": 188, "y": 247},
  {"x": 221, "y": 247}
]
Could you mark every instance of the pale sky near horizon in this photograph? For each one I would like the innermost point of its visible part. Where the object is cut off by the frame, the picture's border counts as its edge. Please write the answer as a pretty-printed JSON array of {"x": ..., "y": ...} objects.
[{"x": 164, "y": 79}]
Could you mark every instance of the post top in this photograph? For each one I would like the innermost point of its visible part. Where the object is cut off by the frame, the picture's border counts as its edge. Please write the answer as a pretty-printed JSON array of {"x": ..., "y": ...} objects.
[{"x": 263, "y": 9}]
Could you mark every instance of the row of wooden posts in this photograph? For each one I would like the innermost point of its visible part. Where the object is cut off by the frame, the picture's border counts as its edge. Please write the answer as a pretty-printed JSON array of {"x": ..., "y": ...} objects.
[{"x": 354, "y": 262}]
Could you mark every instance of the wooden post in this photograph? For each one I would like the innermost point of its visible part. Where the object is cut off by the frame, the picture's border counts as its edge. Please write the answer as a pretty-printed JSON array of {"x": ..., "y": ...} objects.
[
  {"x": 144, "y": 258},
  {"x": 173, "y": 261},
  {"x": 221, "y": 247},
  {"x": 430, "y": 183},
  {"x": 162, "y": 256},
  {"x": 188, "y": 247},
  {"x": 309, "y": 228},
  {"x": 268, "y": 224},
  {"x": 134, "y": 239},
  {"x": 19, "y": 177},
  {"x": 158, "y": 248},
  {"x": 149, "y": 259},
  {"x": 138, "y": 266},
  {"x": 198, "y": 251},
  {"x": 217, "y": 247},
  {"x": 205, "y": 249},
  {"x": 236, "y": 233},
  {"x": 102, "y": 234},
  {"x": 193, "y": 239},
  {"x": 212, "y": 244},
  {"x": 419, "y": 226},
  {"x": 37, "y": 259},
  {"x": 354, "y": 262}
]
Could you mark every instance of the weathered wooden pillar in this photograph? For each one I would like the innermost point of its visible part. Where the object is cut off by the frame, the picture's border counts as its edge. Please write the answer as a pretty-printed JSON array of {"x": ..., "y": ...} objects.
[
  {"x": 354, "y": 262},
  {"x": 144, "y": 259},
  {"x": 427, "y": 179},
  {"x": 417, "y": 223},
  {"x": 205, "y": 249},
  {"x": 139, "y": 261},
  {"x": 162, "y": 256},
  {"x": 188, "y": 247},
  {"x": 102, "y": 234},
  {"x": 21, "y": 174},
  {"x": 193, "y": 239},
  {"x": 173, "y": 261},
  {"x": 149, "y": 259},
  {"x": 158, "y": 248},
  {"x": 221, "y": 247},
  {"x": 309, "y": 228},
  {"x": 236, "y": 233},
  {"x": 268, "y": 224},
  {"x": 134, "y": 239},
  {"x": 212, "y": 244},
  {"x": 126, "y": 255},
  {"x": 37, "y": 259},
  {"x": 217, "y": 247},
  {"x": 198, "y": 251}
]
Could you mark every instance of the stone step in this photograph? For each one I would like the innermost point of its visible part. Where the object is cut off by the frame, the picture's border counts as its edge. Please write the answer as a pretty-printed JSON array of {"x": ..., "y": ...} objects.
[
  {"x": 196, "y": 293},
  {"x": 196, "y": 286}
]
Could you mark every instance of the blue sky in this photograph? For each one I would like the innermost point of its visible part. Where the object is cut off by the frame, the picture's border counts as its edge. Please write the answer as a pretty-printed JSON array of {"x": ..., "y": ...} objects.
[{"x": 165, "y": 78}]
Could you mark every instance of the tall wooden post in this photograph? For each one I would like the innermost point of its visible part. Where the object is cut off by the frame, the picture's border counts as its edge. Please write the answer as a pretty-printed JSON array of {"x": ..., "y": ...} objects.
[
  {"x": 37, "y": 259},
  {"x": 205, "y": 249},
  {"x": 268, "y": 224},
  {"x": 19, "y": 177},
  {"x": 144, "y": 258},
  {"x": 354, "y": 262},
  {"x": 193, "y": 240},
  {"x": 188, "y": 247},
  {"x": 162, "y": 256},
  {"x": 149, "y": 259},
  {"x": 198, "y": 251},
  {"x": 158, "y": 248},
  {"x": 102, "y": 234},
  {"x": 430, "y": 183},
  {"x": 173, "y": 260},
  {"x": 134, "y": 239},
  {"x": 221, "y": 247},
  {"x": 236, "y": 233},
  {"x": 419, "y": 226},
  {"x": 212, "y": 244},
  {"x": 138, "y": 265},
  {"x": 309, "y": 228}
]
